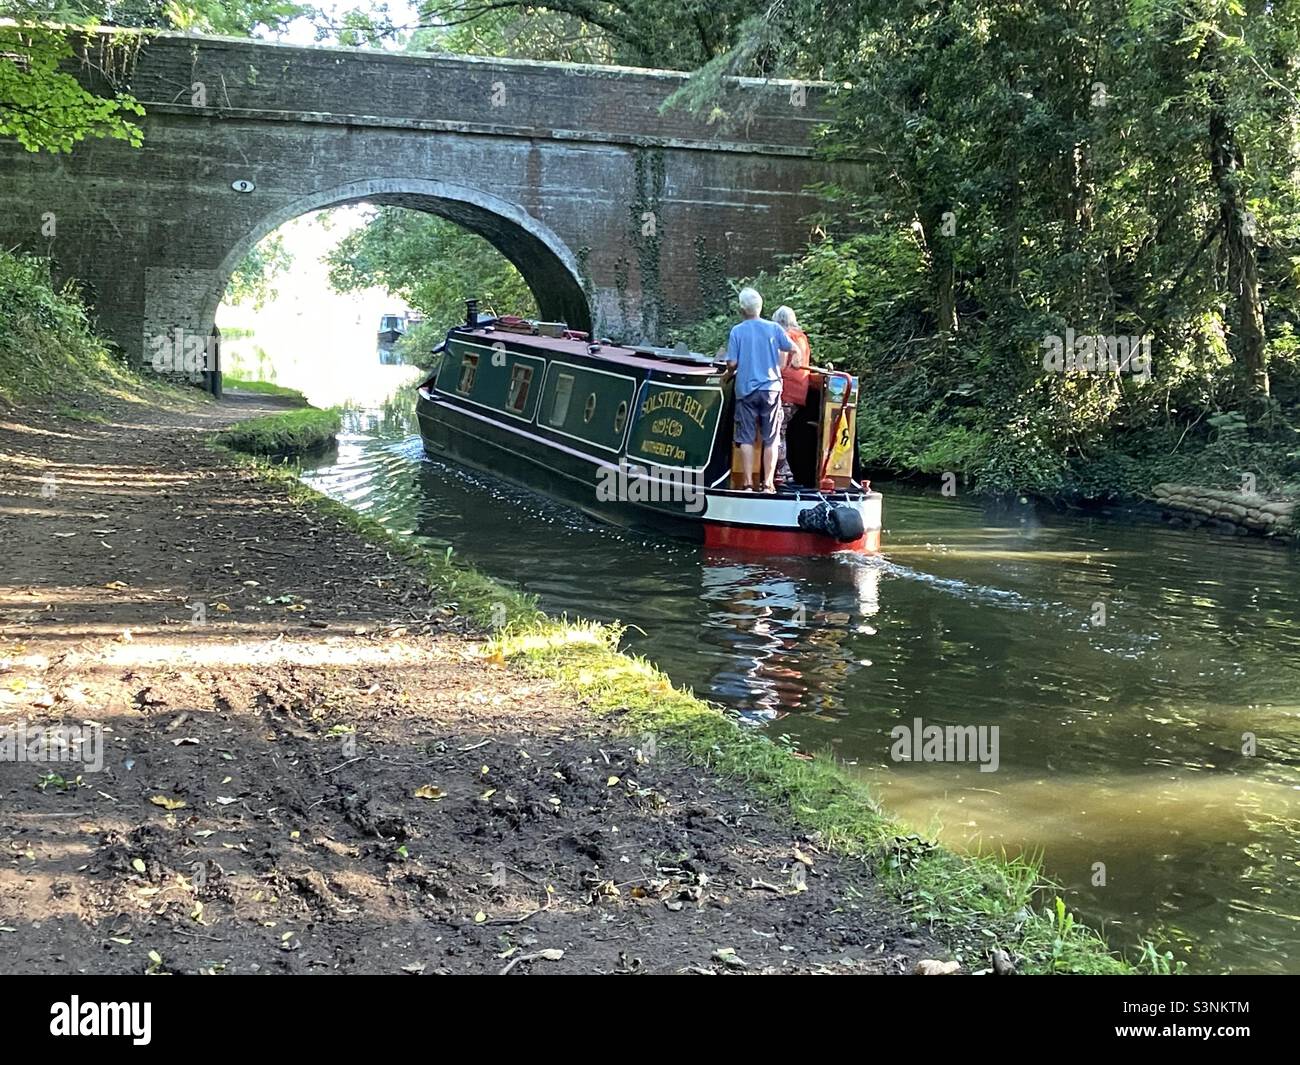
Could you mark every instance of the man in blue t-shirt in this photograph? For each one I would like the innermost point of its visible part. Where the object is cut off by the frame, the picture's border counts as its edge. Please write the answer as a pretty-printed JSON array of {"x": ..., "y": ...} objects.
[{"x": 757, "y": 352}]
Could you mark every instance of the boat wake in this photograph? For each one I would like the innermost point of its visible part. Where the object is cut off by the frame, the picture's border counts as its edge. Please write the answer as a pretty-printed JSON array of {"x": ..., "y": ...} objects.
[{"x": 950, "y": 585}]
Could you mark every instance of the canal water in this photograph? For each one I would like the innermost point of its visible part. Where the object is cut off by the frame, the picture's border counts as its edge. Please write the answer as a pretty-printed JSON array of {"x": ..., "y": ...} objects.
[{"x": 1129, "y": 669}]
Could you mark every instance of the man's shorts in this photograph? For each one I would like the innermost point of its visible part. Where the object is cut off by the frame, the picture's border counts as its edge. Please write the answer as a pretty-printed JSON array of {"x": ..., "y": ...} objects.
[{"x": 758, "y": 413}]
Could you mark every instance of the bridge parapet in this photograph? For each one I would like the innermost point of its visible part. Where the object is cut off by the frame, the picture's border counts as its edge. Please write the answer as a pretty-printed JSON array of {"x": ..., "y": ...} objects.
[{"x": 500, "y": 97}]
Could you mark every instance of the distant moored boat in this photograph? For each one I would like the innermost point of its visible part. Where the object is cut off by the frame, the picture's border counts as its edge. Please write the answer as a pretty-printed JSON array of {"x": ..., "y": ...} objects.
[{"x": 392, "y": 327}]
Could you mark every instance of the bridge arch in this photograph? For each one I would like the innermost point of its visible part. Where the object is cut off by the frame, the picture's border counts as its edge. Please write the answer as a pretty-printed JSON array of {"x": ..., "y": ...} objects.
[{"x": 544, "y": 261}]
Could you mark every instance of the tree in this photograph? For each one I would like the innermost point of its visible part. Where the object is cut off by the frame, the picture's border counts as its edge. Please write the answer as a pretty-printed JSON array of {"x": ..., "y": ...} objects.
[
  {"x": 43, "y": 107},
  {"x": 673, "y": 34},
  {"x": 229, "y": 18},
  {"x": 432, "y": 263},
  {"x": 252, "y": 281}
]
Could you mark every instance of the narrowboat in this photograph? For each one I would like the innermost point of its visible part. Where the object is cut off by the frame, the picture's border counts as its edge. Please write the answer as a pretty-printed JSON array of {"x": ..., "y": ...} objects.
[
  {"x": 642, "y": 437},
  {"x": 392, "y": 327}
]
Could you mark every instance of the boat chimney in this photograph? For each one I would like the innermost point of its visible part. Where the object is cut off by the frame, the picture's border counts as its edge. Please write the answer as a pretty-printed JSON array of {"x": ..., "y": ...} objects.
[{"x": 471, "y": 313}]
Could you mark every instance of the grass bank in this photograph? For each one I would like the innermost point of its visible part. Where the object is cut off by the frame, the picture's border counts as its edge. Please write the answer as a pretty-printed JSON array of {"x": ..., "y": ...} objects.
[
  {"x": 261, "y": 388},
  {"x": 48, "y": 349},
  {"x": 295, "y": 432},
  {"x": 972, "y": 903}
]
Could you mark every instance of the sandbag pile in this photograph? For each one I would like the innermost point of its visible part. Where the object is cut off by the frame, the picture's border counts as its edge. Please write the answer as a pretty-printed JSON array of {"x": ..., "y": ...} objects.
[{"x": 1270, "y": 516}]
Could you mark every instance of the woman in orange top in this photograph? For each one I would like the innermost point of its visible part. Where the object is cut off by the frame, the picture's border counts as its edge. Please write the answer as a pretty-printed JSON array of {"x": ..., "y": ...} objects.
[{"x": 794, "y": 382}]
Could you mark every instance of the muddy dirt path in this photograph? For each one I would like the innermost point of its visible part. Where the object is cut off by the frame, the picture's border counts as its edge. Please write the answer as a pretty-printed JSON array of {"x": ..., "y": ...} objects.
[{"x": 309, "y": 766}]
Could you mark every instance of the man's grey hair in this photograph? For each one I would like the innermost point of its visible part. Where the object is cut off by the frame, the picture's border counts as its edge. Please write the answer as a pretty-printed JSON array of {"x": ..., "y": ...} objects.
[
  {"x": 785, "y": 318},
  {"x": 750, "y": 301}
]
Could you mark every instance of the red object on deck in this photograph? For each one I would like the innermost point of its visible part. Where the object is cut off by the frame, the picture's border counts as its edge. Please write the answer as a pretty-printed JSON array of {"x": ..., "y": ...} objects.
[{"x": 783, "y": 541}]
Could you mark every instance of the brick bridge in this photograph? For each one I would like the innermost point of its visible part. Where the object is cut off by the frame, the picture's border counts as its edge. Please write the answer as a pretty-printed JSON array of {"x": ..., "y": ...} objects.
[{"x": 617, "y": 214}]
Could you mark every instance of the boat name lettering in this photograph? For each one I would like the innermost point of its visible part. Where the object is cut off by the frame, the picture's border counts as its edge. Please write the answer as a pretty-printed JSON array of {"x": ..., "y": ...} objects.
[{"x": 676, "y": 400}]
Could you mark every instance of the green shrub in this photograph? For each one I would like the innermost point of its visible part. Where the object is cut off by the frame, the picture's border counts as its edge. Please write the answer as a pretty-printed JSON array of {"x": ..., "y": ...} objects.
[{"x": 47, "y": 346}]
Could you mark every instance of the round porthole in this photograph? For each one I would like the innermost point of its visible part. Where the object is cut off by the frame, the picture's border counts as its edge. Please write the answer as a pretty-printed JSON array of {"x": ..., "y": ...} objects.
[
  {"x": 620, "y": 417},
  {"x": 589, "y": 411}
]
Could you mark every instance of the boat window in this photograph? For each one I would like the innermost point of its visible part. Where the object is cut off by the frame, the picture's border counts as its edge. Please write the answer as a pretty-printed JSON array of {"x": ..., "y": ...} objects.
[
  {"x": 520, "y": 378},
  {"x": 468, "y": 371},
  {"x": 589, "y": 411},
  {"x": 563, "y": 393},
  {"x": 620, "y": 417}
]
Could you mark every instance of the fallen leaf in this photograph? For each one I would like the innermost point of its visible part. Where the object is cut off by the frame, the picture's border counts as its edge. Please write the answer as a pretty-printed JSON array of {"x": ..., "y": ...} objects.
[
  {"x": 429, "y": 791},
  {"x": 730, "y": 958},
  {"x": 137, "y": 864}
]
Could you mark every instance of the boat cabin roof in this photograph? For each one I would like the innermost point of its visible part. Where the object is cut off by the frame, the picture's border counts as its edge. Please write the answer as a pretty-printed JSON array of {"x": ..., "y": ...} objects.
[{"x": 612, "y": 353}]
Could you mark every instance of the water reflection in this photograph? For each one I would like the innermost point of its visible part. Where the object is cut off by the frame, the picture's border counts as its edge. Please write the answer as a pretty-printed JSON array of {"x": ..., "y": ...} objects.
[
  {"x": 784, "y": 650},
  {"x": 1122, "y": 729}
]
